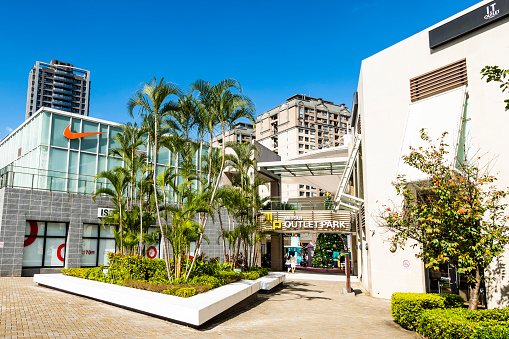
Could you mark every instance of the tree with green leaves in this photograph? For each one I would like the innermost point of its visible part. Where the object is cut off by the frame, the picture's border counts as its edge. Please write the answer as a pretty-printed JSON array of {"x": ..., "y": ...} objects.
[
  {"x": 118, "y": 181},
  {"x": 153, "y": 102},
  {"x": 326, "y": 245},
  {"x": 454, "y": 217},
  {"x": 496, "y": 74}
]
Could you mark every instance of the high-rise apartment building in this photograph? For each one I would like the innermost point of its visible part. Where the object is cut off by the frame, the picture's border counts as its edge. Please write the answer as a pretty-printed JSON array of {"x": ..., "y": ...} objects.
[
  {"x": 58, "y": 85},
  {"x": 240, "y": 132},
  {"x": 300, "y": 125}
]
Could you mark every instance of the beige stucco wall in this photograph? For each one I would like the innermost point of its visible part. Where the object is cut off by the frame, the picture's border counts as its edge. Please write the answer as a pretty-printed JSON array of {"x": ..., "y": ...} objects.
[{"x": 384, "y": 98}]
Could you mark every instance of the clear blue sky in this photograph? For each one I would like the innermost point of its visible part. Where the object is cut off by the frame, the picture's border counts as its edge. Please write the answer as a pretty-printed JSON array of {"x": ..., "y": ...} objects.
[{"x": 274, "y": 48}]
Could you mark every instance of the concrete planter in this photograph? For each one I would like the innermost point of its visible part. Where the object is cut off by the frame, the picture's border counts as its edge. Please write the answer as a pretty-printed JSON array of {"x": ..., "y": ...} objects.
[{"x": 194, "y": 311}]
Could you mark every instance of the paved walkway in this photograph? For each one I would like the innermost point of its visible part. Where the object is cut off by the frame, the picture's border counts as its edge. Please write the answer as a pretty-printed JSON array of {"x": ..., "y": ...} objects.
[{"x": 301, "y": 309}]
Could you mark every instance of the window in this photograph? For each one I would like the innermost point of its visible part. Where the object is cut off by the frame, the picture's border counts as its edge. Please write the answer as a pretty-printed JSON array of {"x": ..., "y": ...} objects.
[
  {"x": 301, "y": 146},
  {"x": 300, "y": 123},
  {"x": 306, "y": 147},
  {"x": 313, "y": 194},
  {"x": 301, "y": 130},
  {"x": 307, "y": 187},
  {"x": 301, "y": 186},
  {"x": 307, "y": 194},
  {"x": 301, "y": 194},
  {"x": 312, "y": 140},
  {"x": 97, "y": 242},
  {"x": 301, "y": 112},
  {"x": 306, "y": 139},
  {"x": 44, "y": 245},
  {"x": 312, "y": 132},
  {"x": 313, "y": 188},
  {"x": 300, "y": 138},
  {"x": 306, "y": 132}
]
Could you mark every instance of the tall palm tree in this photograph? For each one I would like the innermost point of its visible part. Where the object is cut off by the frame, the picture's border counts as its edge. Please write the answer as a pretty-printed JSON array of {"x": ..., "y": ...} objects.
[
  {"x": 130, "y": 140},
  {"x": 153, "y": 102},
  {"x": 119, "y": 179},
  {"x": 225, "y": 108}
]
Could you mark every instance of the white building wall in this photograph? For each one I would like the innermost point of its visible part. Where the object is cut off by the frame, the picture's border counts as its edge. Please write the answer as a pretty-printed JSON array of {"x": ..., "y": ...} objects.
[{"x": 384, "y": 99}]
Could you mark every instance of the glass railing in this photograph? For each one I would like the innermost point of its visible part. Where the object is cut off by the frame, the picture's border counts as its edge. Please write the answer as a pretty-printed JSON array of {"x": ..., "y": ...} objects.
[
  {"x": 62, "y": 102},
  {"x": 299, "y": 204},
  {"x": 69, "y": 74},
  {"x": 62, "y": 90},
  {"x": 53, "y": 181},
  {"x": 62, "y": 96},
  {"x": 62, "y": 84},
  {"x": 63, "y": 79},
  {"x": 62, "y": 108}
]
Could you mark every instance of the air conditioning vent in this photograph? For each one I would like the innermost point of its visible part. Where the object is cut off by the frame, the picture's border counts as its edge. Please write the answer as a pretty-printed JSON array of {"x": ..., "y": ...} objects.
[{"x": 439, "y": 80}]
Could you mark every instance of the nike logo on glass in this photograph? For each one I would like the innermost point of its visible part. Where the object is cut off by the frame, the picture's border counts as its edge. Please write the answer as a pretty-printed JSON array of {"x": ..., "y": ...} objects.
[{"x": 70, "y": 135}]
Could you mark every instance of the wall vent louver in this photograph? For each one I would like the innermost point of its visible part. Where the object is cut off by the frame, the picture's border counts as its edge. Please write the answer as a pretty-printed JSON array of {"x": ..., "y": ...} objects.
[{"x": 440, "y": 80}]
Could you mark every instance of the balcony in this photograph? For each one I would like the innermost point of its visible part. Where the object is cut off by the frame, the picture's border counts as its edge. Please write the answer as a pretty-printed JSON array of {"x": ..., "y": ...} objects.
[
  {"x": 60, "y": 102},
  {"x": 62, "y": 90},
  {"x": 62, "y": 84},
  {"x": 57, "y": 78},
  {"x": 64, "y": 73},
  {"x": 62, "y": 108},
  {"x": 63, "y": 97},
  {"x": 298, "y": 204}
]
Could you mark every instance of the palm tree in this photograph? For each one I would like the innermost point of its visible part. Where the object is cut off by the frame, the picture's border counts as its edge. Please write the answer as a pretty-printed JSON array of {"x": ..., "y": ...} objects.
[
  {"x": 153, "y": 102},
  {"x": 130, "y": 140},
  {"x": 225, "y": 108},
  {"x": 119, "y": 179}
]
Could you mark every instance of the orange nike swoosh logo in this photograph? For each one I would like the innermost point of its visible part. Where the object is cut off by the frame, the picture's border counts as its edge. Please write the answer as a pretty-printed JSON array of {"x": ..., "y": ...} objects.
[{"x": 70, "y": 135}]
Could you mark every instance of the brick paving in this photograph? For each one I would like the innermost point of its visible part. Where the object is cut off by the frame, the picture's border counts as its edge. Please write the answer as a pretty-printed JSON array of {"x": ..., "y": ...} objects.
[{"x": 301, "y": 309}]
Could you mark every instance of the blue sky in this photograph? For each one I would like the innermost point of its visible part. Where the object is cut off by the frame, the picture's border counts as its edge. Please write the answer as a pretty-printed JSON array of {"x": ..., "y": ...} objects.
[{"x": 274, "y": 48}]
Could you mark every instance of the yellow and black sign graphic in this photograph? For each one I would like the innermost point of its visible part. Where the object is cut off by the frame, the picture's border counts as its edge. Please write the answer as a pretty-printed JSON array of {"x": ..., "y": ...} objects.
[{"x": 269, "y": 223}]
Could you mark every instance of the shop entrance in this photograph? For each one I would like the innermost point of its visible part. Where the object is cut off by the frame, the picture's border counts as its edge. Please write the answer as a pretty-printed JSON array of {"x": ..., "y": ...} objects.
[{"x": 312, "y": 252}]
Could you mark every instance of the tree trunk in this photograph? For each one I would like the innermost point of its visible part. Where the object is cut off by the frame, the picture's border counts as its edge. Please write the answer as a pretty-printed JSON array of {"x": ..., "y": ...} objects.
[
  {"x": 474, "y": 291},
  {"x": 154, "y": 170},
  {"x": 222, "y": 231},
  {"x": 141, "y": 224}
]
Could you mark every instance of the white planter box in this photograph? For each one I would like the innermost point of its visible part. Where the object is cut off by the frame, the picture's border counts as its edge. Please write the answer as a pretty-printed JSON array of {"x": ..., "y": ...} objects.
[{"x": 195, "y": 310}]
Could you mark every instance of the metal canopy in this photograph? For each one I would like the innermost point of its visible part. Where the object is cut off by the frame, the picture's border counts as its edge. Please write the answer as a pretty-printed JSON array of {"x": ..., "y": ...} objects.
[{"x": 305, "y": 168}]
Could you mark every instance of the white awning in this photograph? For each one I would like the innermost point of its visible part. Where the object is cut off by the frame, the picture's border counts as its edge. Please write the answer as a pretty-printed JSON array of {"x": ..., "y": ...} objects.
[{"x": 438, "y": 114}]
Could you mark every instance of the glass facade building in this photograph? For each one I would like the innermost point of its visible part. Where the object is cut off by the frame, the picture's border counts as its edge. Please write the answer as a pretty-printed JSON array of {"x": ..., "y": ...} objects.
[
  {"x": 37, "y": 155},
  {"x": 39, "y": 163}
]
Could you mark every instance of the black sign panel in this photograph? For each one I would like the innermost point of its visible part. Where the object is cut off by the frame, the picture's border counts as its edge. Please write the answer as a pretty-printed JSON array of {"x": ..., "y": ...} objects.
[{"x": 469, "y": 22}]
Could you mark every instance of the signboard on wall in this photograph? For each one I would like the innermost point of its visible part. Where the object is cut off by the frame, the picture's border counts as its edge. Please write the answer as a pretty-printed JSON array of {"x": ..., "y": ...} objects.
[
  {"x": 406, "y": 266},
  {"x": 104, "y": 212},
  {"x": 307, "y": 221},
  {"x": 469, "y": 22}
]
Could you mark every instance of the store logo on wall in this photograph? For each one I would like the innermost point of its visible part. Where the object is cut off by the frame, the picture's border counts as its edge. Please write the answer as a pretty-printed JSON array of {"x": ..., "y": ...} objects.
[
  {"x": 491, "y": 12},
  {"x": 71, "y": 135},
  {"x": 269, "y": 223}
]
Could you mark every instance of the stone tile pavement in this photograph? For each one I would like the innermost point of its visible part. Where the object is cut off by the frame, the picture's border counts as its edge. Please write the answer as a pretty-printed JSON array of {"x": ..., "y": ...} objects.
[{"x": 301, "y": 309}]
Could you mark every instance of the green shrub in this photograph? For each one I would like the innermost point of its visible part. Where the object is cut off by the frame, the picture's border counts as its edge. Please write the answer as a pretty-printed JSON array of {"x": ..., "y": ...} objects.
[
  {"x": 251, "y": 275},
  {"x": 206, "y": 280},
  {"x": 406, "y": 307},
  {"x": 92, "y": 273},
  {"x": 136, "y": 267},
  {"x": 183, "y": 292},
  {"x": 462, "y": 323},
  {"x": 254, "y": 273}
]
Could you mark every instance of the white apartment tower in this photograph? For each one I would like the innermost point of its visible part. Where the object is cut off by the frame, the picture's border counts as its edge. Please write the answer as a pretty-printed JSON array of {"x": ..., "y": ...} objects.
[{"x": 300, "y": 125}]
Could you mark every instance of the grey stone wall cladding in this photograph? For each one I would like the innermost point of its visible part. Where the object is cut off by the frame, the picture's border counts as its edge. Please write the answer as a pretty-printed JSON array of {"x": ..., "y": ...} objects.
[{"x": 20, "y": 205}]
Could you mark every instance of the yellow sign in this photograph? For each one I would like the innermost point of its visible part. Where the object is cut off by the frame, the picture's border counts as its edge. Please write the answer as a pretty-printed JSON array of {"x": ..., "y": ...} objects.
[{"x": 269, "y": 223}]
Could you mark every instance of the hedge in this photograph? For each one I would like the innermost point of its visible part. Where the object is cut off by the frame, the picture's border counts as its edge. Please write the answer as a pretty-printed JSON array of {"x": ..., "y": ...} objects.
[
  {"x": 150, "y": 274},
  {"x": 462, "y": 323},
  {"x": 406, "y": 307}
]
